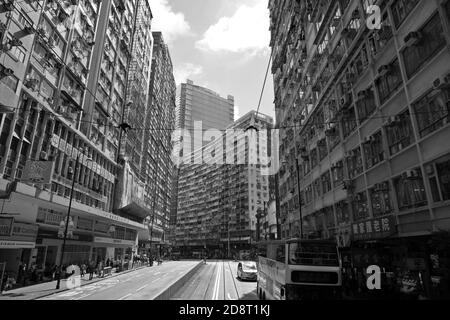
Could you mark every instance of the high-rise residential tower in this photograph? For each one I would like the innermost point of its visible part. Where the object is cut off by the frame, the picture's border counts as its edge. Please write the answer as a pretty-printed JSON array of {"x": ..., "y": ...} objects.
[
  {"x": 364, "y": 109},
  {"x": 63, "y": 82}
]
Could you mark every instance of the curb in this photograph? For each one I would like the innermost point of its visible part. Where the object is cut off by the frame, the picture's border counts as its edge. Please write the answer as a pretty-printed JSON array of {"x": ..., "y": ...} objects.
[
  {"x": 167, "y": 293},
  {"x": 93, "y": 281}
]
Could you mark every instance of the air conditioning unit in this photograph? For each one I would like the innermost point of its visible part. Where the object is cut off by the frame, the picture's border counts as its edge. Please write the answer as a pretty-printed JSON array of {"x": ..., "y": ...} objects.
[
  {"x": 442, "y": 82},
  {"x": 331, "y": 132},
  {"x": 5, "y": 72},
  {"x": 394, "y": 121},
  {"x": 411, "y": 174},
  {"x": 348, "y": 185},
  {"x": 28, "y": 30},
  {"x": 412, "y": 39},
  {"x": 322, "y": 143},
  {"x": 383, "y": 70}
]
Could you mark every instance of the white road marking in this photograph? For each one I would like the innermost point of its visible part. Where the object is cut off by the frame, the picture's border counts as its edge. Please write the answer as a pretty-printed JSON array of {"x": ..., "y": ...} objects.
[
  {"x": 155, "y": 280},
  {"x": 217, "y": 283},
  {"x": 141, "y": 288},
  {"x": 124, "y": 297},
  {"x": 229, "y": 297},
  {"x": 157, "y": 273}
]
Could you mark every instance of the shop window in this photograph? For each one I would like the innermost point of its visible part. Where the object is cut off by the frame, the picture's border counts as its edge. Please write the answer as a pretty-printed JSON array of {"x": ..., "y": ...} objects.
[
  {"x": 401, "y": 9},
  {"x": 431, "y": 41},
  {"x": 399, "y": 132},
  {"x": 365, "y": 105},
  {"x": 360, "y": 207},
  {"x": 326, "y": 182},
  {"x": 354, "y": 163},
  {"x": 388, "y": 83},
  {"x": 432, "y": 111},
  {"x": 373, "y": 150},
  {"x": 380, "y": 198},
  {"x": 410, "y": 190}
]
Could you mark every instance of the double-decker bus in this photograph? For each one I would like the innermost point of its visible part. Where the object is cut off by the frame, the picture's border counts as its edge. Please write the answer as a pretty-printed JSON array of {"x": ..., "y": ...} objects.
[{"x": 298, "y": 269}]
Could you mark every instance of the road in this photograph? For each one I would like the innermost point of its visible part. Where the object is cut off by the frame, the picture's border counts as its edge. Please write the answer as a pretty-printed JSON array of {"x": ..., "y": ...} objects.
[
  {"x": 142, "y": 284},
  {"x": 217, "y": 280}
]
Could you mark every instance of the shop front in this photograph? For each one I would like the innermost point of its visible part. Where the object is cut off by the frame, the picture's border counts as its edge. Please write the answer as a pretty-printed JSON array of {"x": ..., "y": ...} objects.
[
  {"x": 17, "y": 244},
  {"x": 416, "y": 267},
  {"x": 117, "y": 252}
]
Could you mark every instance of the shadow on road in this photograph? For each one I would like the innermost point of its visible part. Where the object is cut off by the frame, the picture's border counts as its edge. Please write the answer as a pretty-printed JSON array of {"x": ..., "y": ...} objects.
[{"x": 249, "y": 296}]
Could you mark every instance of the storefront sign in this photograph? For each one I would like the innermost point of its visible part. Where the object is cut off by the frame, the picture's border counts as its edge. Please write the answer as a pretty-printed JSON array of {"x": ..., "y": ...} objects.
[
  {"x": 377, "y": 228},
  {"x": 6, "y": 224},
  {"x": 113, "y": 241},
  {"x": 6, "y": 244},
  {"x": 49, "y": 234},
  {"x": 38, "y": 172},
  {"x": 25, "y": 231}
]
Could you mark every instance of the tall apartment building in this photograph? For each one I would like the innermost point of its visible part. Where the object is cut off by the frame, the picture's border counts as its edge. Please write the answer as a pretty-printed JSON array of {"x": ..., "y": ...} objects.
[
  {"x": 365, "y": 111},
  {"x": 63, "y": 74},
  {"x": 218, "y": 201},
  {"x": 195, "y": 103},
  {"x": 157, "y": 161}
]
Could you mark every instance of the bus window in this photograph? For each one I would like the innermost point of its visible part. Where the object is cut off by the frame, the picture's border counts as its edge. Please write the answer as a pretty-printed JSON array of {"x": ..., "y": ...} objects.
[
  {"x": 281, "y": 256},
  {"x": 313, "y": 254}
]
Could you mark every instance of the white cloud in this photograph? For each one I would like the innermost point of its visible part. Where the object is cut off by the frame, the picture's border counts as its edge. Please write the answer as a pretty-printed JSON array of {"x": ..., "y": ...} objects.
[
  {"x": 186, "y": 70},
  {"x": 245, "y": 31},
  {"x": 171, "y": 24}
]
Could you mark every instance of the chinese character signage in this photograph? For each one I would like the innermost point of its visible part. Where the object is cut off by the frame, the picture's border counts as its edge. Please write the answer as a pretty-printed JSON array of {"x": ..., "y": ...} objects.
[
  {"x": 38, "y": 172},
  {"x": 374, "y": 228},
  {"x": 6, "y": 224}
]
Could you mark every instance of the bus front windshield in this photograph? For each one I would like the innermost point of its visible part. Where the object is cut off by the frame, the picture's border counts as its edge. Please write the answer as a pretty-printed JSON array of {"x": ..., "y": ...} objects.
[{"x": 313, "y": 254}]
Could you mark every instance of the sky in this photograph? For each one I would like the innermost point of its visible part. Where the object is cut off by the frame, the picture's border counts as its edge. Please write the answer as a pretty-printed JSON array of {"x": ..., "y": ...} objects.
[{"x": 220, "y": 44}]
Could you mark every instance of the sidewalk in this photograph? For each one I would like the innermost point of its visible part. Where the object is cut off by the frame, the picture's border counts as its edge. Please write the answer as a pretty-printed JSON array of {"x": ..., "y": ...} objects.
[{"x": 48, "y": 288}]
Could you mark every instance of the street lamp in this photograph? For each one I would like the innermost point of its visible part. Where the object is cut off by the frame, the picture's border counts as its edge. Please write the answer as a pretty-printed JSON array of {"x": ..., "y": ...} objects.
[{"x": 68, "y": 218}]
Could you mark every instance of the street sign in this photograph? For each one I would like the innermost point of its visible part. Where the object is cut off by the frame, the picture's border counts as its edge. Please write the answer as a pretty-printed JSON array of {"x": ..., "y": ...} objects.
[{"x": 38, "y": 172}]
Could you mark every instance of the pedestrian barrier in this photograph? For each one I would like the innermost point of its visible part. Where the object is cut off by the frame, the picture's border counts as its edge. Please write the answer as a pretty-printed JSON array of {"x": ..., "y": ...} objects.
[{"x": 107, "y": 271}]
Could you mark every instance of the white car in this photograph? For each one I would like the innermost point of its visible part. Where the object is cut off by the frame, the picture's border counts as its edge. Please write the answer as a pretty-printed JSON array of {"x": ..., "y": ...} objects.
[{"x": 246, "y": 270}]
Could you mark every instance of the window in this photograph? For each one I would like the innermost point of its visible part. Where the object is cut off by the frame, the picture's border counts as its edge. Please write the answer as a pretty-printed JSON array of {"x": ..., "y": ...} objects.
[
  {"x": 380, "y": 198},
  {"x": 308, "y": 194},
  {"x": 388, "y": 83},
  {"x": 18, "y": 52},
  {"x": 401, "y": 9},
  {"x": 354, "y": 163},
  {"x": 432, "y": 111},
  {"x": 343, "y": 212},
  {"x": 410, "y": 190},
  {"x": 366, "y": 105},
  {"x": 361, "y": 61},
  {"x": 360, "y": 207},
  {"x": 337, "y": 173},
  {"x": 399, "y": 133},
  {"x": 348, "y": 121},
  {"x": 322, "y": 146},
  {"x": 443, "y": 170},
  {"x": 314, "y": 158},
  {"x": 316, "y": 187},
  {"x": 432, "y": 40},
  {"x": 379, "y": 38},
  {"x": 11, "y": 82},
  {"x": 326, "y": 182},
  {"x": 373, "y": 150}
]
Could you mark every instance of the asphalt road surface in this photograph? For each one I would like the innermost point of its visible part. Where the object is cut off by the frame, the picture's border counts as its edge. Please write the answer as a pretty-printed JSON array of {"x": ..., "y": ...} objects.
[
  {"x": 217, "y": 280},
  {"x": 142, "y": 284}
]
